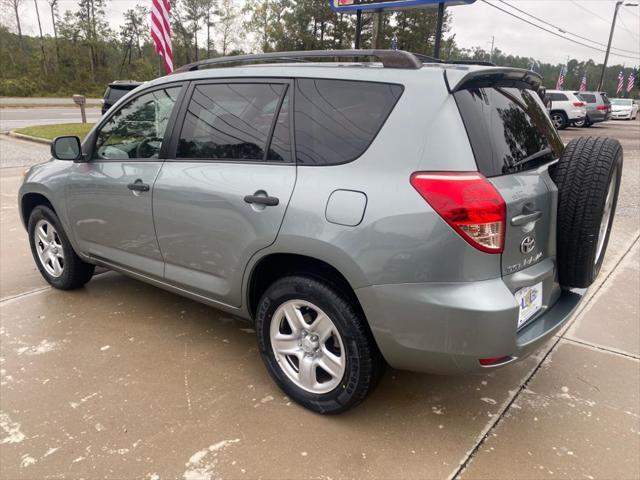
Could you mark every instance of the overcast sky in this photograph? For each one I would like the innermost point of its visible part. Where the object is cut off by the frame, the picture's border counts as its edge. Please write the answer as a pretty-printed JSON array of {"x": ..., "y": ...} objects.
[{"x": 475, "y": 25}]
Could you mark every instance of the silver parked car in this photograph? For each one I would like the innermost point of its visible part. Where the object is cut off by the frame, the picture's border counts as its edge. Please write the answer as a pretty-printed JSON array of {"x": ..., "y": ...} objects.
[
  {"x": 401, "y": 211},
  {"x": 598, "y": 108}
]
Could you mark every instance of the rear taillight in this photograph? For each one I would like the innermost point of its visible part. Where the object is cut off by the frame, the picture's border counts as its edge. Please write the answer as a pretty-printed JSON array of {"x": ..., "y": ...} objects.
[
  {"x": 578, "y": 104},
  {"x": 469, "y": 203},
  {"x": 602, "y": 108}
]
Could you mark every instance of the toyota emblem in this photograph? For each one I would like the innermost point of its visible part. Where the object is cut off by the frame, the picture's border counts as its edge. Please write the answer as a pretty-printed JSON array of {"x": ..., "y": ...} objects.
[{"x": 527, "y": 245}]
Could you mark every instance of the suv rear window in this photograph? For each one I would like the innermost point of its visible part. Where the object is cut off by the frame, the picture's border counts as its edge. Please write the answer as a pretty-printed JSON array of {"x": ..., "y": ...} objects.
[
  {"x": 508, "y": 128},
  {"x": 114, "y": 94},
  {"x": 588, "y": 97},
  {"x": 336, "y": 120}
]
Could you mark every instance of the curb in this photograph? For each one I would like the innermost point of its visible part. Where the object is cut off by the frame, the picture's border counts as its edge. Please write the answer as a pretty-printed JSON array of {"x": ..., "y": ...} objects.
[{"x": 28, "y": 138}]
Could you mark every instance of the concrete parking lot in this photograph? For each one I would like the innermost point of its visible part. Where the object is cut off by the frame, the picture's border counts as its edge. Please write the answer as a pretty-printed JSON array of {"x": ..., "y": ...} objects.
[{"x": 123, "y": 380}]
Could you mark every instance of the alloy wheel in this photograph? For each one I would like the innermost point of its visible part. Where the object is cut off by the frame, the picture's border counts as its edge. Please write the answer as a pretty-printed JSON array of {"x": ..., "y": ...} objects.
[
  {"x": 606, "y": 216},
  {"x": 49, "y": 248}
]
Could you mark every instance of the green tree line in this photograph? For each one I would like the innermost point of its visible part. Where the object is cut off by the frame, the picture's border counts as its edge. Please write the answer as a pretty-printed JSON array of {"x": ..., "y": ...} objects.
[{"x": 84, "y": 53}]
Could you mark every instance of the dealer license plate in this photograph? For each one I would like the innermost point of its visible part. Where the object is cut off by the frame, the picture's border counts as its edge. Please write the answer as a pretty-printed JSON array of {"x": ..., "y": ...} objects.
[{"x": 530, "y": 301}]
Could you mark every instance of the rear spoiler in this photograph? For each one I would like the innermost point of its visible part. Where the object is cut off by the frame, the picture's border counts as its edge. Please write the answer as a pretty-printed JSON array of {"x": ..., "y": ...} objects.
[{"x": 492, "y": 77}]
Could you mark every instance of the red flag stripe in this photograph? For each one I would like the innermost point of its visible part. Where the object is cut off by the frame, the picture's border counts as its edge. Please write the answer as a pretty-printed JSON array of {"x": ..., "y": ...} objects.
[
  {"x": 162, "y": 13},
  {"x": 161, "y": 31}
]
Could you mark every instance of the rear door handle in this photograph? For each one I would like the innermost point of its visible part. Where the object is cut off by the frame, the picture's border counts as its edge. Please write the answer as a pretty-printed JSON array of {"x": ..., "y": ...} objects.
[
  {"x": 527, "y": 217},
  {"x": 138, "y": 186},
  {"x": 262, "y": 200}
]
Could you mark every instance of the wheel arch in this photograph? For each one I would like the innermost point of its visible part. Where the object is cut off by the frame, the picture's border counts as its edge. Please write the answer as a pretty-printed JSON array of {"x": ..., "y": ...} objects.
[
  {"x": 31, "y": 200},
  {"x": 275, "y": 265}
]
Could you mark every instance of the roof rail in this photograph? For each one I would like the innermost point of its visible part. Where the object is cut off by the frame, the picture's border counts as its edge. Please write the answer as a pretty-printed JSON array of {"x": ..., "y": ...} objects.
[
  {"x": 388, "y": 58},
  {"x": 427, "y": 59}
]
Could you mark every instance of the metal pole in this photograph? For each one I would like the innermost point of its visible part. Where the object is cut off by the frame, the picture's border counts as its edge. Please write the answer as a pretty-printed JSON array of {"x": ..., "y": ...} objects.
[
  {"x": 358, "y": 28},
  {"x": 606, "y": 57},
  {"x": 493, "y": 40},
  {"x": 376, "y": 37},
  {"x": 436, "y": 48}
]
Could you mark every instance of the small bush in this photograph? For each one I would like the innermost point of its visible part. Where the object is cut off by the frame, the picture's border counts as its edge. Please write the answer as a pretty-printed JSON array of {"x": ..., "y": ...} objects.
[{"x": 20, "y": 87}]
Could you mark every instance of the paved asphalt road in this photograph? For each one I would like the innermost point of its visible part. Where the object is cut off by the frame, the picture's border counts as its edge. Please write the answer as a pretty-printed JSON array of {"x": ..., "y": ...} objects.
[
  {"x": 11, "y": 118},
  {"x": 123, "y": 380},
  {"x": 34, "y": 101}
]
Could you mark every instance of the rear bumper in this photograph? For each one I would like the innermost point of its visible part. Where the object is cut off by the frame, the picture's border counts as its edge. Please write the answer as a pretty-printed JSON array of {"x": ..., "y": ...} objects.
[
  {"x": 598, "y": 116},
  {"x": 447, "y": 328}
]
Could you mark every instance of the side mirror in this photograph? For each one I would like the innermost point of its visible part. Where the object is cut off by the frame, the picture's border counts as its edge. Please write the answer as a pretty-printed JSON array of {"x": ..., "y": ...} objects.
[{"x": 66, "y": 148}]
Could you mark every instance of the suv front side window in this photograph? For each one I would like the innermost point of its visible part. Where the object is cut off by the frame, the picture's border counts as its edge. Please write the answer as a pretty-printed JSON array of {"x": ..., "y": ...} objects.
[{"x": 137, "y": 129}]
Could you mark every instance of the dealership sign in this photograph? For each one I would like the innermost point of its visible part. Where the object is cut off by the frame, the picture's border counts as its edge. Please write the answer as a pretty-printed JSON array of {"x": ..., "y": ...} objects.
[{"x": 355, "y": 5}]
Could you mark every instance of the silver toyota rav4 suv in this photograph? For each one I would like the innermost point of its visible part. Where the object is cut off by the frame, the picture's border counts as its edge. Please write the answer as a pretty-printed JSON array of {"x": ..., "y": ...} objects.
[{"x": 380, "y": 208}]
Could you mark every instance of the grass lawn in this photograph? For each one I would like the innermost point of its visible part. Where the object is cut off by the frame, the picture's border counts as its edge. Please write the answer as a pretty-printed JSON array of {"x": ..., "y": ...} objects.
[{"x": 52, "y": 131}]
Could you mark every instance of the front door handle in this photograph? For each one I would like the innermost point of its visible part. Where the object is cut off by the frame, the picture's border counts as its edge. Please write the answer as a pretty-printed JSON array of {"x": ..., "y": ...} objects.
[
  {"x": 139, "y": 186},
  {"x": 262, "y": 200}
]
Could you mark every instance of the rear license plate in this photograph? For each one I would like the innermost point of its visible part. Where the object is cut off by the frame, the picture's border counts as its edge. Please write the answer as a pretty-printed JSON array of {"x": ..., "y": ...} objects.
[{"x": 530, "y": 301}]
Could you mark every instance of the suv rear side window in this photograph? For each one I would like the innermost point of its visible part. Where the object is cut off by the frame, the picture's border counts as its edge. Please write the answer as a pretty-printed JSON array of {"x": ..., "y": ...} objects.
[
  {"x": 509, "y": 129},
  {"x": 336, "y": 120},
  {"x": 558, "y": 97},
  {"x": 233, "y": 121}
]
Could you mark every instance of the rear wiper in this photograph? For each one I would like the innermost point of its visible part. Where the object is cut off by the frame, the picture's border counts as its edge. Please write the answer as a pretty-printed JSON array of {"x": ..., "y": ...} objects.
[{"x": 535, "y": 156}]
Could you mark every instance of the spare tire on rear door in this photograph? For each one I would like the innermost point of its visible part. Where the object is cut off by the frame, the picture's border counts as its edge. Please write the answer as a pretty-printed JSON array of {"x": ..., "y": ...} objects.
[{"x": 588, "y": 179}]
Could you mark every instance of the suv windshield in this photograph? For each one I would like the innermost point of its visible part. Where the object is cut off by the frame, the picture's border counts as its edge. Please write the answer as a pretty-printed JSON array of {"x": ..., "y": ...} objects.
[{"x": 509, "y": 129}]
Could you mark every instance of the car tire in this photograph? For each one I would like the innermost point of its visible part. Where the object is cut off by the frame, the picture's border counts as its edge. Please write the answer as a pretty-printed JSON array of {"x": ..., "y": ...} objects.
[
  {"x": 588, "y": 178},
  {"x": 54, "y": 256},
  {"x": 560, "y": 120},
  {"x": 292, "y": 326},
  {"x": 582, "y": 123}
]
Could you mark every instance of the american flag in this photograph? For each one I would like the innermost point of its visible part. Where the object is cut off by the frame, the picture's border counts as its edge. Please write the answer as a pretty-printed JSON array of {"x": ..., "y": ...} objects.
[
  {"x": 620, "y": 82},
  {"x": 583, "y": 83},
  {"x": 632, "y": 80},
  {"x": 560, "y": 82},
  {"x": 161, "y": 31}
]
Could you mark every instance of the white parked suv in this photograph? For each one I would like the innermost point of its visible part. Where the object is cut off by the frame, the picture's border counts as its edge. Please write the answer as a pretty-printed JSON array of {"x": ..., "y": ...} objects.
[
  {"x": 623, "y": 109},
  {"x": 566, "y": 109}
]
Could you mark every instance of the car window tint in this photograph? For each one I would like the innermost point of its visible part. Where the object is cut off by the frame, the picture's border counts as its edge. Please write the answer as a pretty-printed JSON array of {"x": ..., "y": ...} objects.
[
  {"x": 336, "y": 120},
  {"x": 588, "y": 97},
  {"x": 280, "y": 148},
  {"x": 137, "y": 129},
  {"x": 507, "y": 126},
  {"x": 233, "y": 122},
  {"x": 558, "y": 97}
]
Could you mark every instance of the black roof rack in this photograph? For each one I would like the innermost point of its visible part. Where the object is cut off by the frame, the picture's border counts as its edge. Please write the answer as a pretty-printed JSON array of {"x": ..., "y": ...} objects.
[{"x": 388, "y": 58}]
